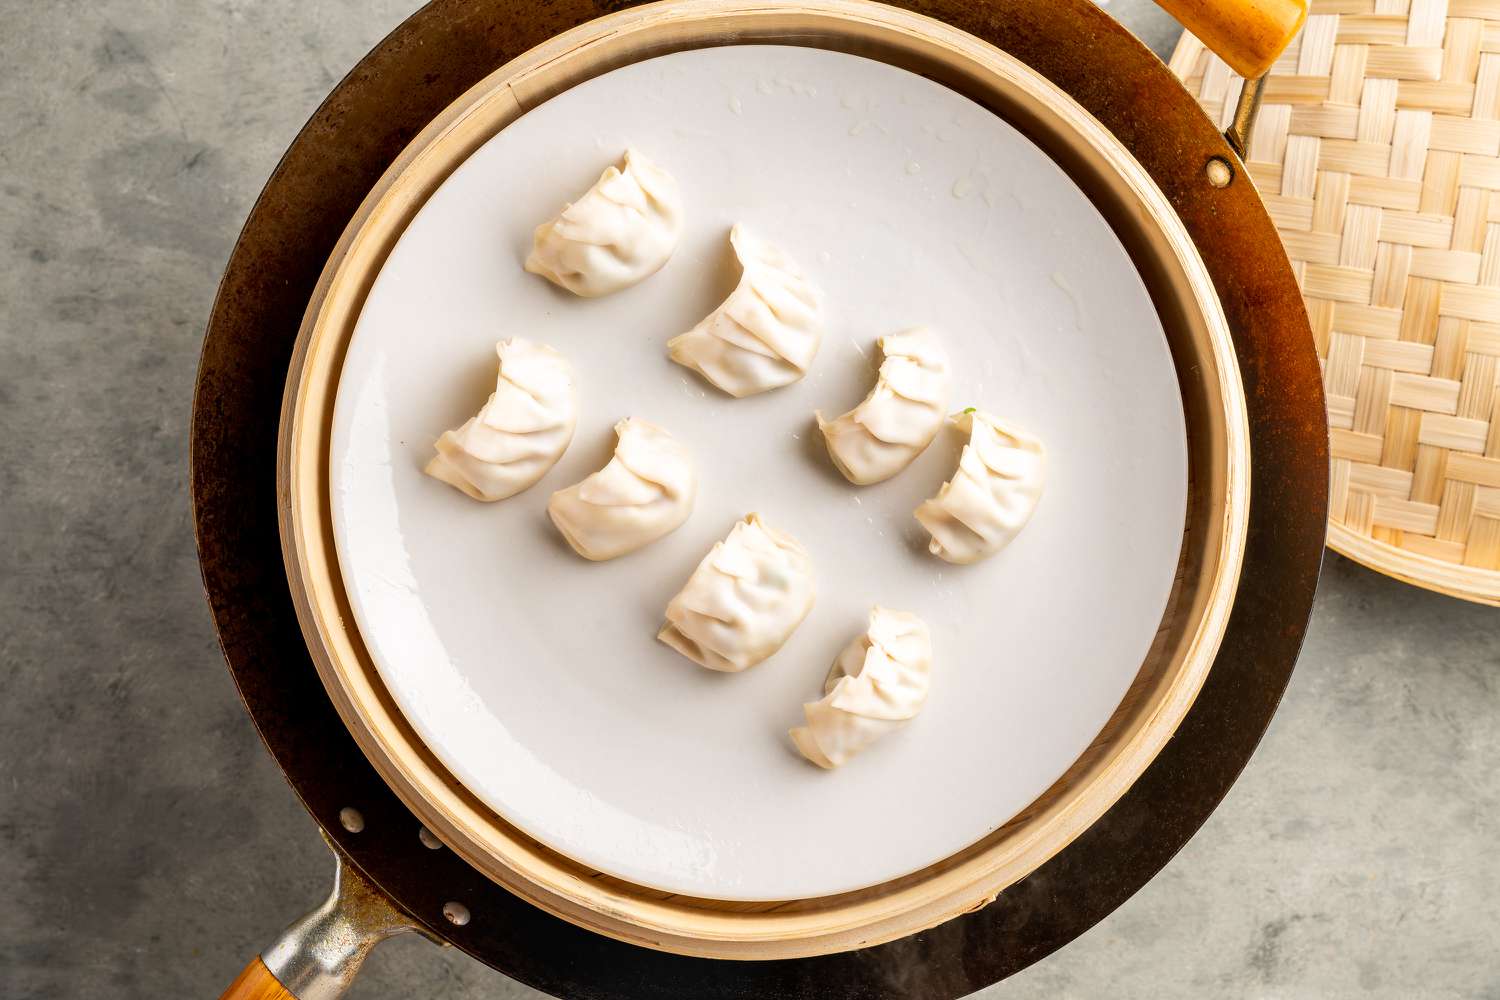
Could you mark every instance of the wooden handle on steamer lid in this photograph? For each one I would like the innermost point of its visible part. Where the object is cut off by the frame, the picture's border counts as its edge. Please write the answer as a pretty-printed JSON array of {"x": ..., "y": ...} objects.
[
  {"x": 256, "y": 983},
  {"x": 1247, "y": 34}
]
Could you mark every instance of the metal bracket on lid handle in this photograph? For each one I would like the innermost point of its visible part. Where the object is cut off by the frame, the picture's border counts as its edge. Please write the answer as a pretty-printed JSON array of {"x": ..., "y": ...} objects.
[{"x": 1250, "y": 36}]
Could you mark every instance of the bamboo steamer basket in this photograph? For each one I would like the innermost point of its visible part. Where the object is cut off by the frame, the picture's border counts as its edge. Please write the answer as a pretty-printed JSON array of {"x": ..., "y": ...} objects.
[
  {"x": 1188, "y": 633},
  {"x": 1378, "y": 156}
]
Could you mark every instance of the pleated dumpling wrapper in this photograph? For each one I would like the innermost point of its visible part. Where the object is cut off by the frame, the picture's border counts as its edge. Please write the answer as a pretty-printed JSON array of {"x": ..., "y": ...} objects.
[
  {"x": 876, "y": 685},
  {"x": 744, "y": 600},
  {"x": 645, "y": 492},
  {"x": 901, "y": 415},
  {"x": 990, "y": 498},
  {"x": 520, "y": 432},
  {"x": 766, "y": 334},
  {"x": 620, "y": 232}
]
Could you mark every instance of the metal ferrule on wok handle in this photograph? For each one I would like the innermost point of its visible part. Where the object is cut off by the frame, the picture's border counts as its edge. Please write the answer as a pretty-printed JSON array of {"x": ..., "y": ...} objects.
[{"x": 317, "y": 957}]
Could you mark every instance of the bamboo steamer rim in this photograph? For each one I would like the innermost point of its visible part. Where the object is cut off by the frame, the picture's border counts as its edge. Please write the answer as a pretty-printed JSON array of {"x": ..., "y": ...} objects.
[
  {"x": 1376, "y": 153},
  {"x": 1157, "y": 701}
]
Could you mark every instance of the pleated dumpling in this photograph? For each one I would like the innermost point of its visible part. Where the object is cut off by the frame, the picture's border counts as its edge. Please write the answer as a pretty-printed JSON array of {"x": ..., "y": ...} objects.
[
  {"x": 646, "y": 491},
  {"x": 620, "y": 232},
  {"x": 900, "y": 416},
  {"x": 744, "y": 600},
  {"x": 766, "y": 334},
  {"x": 875, "y": 686},
  {"x": 520, "y": 432},
  {"x": 992, "y": 495}
]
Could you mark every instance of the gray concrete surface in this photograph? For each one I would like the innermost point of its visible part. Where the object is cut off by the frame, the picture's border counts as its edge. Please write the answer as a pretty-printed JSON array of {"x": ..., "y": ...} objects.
[{"x": 148, "y": 845}]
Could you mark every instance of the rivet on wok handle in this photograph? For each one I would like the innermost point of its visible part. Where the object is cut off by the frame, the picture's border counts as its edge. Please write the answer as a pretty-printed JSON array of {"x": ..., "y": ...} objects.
[
  {"x": 456, "y": 914},
  {"x": 1219, "y": 172},
  {"x": 428, "y": 839},
  {"x": 351, "y": 819}
]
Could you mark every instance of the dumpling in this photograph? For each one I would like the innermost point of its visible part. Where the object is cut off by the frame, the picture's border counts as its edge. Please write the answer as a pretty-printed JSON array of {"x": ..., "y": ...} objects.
[
  {"x": 620, "y": 232},
  {"x": 900, "y": 416},
  {"x": 645, "y": 492},
  {"x": 991, "y": 496},
  {"x": 520, "y": 432},
  {"x": 744, "y": 600},
  {"x": 766, "y": 334},
  {"x": 876, "y": 684}
]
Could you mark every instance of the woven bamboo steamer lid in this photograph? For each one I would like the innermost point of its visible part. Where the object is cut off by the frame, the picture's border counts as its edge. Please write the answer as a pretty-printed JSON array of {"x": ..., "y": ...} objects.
[{"x": 1377, "y": 152}]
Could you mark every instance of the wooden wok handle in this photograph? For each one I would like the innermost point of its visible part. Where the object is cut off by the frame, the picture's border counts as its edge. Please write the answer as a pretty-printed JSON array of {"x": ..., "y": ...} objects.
[
  {"x": 256, "y": 983},
  {"x": 1247, "y": 34}
]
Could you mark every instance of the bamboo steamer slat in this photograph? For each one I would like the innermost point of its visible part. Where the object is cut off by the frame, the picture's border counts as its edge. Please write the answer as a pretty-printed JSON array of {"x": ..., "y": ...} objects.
[
  {"x": 1168, "y": 680},
  {"x": 1378, "y": 151}
]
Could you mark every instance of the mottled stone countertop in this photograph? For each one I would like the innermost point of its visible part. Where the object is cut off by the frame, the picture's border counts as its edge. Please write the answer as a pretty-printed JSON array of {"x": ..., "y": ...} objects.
[{"x": 148, "y": 843}]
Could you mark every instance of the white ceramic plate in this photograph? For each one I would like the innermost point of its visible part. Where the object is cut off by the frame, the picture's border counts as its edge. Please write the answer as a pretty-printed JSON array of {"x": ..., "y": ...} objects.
[{"x": 536, "y": 676}]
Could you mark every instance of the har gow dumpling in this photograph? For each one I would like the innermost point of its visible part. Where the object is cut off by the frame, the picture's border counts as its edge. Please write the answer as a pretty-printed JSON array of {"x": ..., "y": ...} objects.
[
  {"x": 876, "y": 685},
  {"x": 645, "y": 492},
  {"x": 744, "y": 600},
  {"x": 766, "y": 334},
  {"x": 521, "y": 431},
  {"x": 620, "y": 232},
  {"x": 900, "y": 416},
  {"x": 990, "y": 498}
]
